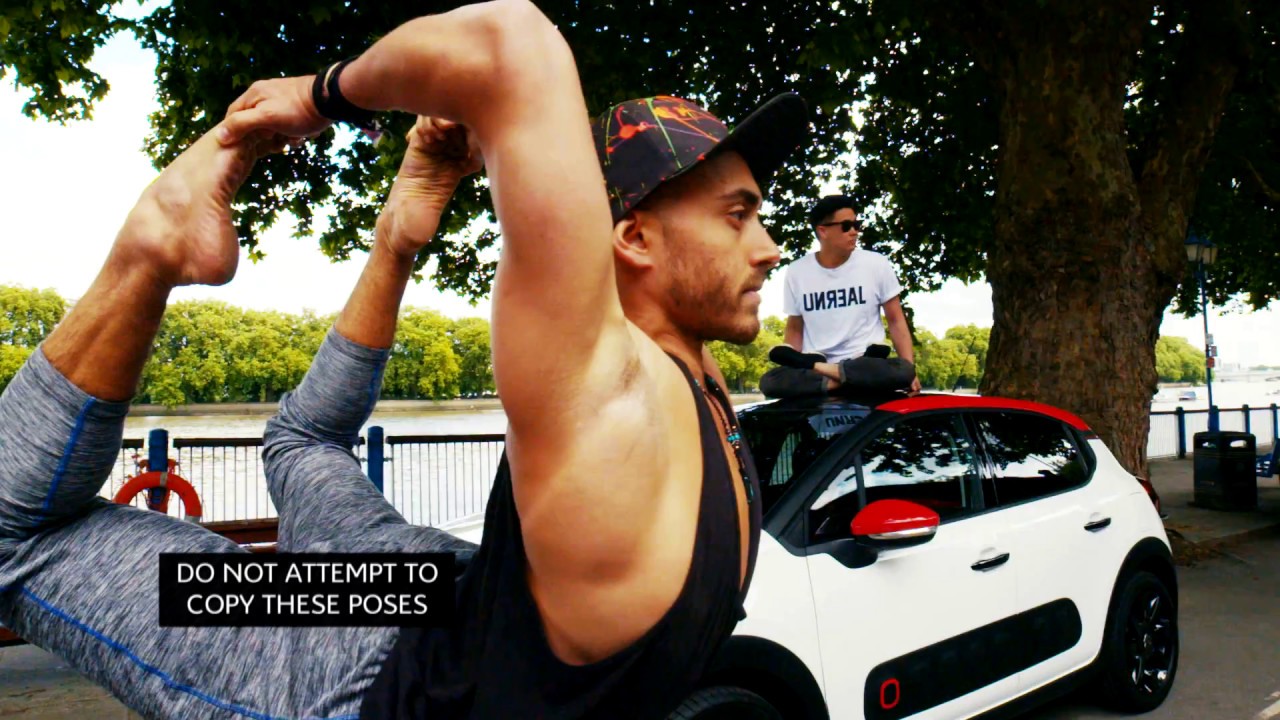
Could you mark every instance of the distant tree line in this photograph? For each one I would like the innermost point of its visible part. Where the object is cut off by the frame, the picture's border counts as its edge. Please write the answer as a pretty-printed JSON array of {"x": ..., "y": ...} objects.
[
  {"x": 209, "y": 352},
  {"x": 26, "y": 318},
  {"x": 1179, "y": 361},
  {"x": 955, "y": 361}
]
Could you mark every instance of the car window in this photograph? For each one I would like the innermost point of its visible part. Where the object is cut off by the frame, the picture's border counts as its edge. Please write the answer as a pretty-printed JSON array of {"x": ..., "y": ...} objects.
[
  {"x": 1030, "y": 456},
  {"x": 928, "y": 460},
  {"x": 784, "y": 443}
]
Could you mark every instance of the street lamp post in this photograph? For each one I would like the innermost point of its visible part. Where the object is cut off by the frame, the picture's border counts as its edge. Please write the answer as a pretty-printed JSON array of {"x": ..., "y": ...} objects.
[{"x": 1203, "y": 252}]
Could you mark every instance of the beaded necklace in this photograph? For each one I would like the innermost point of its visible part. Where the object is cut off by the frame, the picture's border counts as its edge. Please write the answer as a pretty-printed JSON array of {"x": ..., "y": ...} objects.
[{"x": 732, "y": 434}]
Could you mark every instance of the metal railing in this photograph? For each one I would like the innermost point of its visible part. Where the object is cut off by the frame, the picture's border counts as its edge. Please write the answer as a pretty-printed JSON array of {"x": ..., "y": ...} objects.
[
  {"x": 436, "y": 478},
  {"x": 429, "y": 479},
  {"x": 1172, "y": 430},
  {"x": 432, "y": 479},
  {"x": 1162, "y": 437},
  {"x": 207, "y": 462}
]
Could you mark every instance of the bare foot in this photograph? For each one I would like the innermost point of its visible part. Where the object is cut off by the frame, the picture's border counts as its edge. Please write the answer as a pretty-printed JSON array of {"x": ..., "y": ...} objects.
[
  {"x": 181, "y": 226},
  {"x": 440, "y": 153}
]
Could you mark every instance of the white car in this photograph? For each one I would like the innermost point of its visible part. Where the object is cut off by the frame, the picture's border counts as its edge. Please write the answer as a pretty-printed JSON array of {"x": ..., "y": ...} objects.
[{"x": 942, "y": 556}]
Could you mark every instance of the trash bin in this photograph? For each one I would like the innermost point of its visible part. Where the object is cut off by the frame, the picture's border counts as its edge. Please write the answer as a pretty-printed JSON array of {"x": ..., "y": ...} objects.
[{"x": 1224, "y": 470}]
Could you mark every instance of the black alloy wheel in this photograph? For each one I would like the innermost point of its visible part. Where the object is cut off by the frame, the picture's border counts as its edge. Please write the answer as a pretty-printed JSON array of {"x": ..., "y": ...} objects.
[
  {"x": 1151, "y": 641},
  {"x": 1140, "y": 654}
]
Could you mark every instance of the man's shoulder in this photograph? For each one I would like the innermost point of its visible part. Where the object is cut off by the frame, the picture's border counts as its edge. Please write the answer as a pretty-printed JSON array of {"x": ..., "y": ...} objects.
[
  {"x": 878, "y": 261},
  {"x": 801, "y": 266}
]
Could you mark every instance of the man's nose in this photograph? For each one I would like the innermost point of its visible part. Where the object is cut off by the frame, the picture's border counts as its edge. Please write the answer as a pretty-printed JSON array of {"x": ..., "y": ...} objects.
[{"x": 768, "y": 254}]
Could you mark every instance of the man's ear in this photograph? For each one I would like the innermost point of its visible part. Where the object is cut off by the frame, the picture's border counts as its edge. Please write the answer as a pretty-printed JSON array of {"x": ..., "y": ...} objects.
[{"x": 633, "y": 239}]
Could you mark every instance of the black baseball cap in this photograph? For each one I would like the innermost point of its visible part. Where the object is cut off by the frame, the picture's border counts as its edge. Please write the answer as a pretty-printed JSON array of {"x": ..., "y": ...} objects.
[{"x": 645, "y": 142}]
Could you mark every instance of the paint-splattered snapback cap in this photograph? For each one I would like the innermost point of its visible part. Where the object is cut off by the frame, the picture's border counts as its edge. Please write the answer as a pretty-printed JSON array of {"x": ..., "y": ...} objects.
[{"x": 645, "y": 142}]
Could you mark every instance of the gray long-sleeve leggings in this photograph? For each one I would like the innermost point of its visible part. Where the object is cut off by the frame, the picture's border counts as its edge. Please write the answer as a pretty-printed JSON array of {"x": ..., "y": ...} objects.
[{"x": 79, "y": 577}]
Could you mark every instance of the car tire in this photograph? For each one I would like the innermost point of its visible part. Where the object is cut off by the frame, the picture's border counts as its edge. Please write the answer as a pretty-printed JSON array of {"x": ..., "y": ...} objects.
[
  {"x": 1139, "y": 658},
  {"x": 725, "y": 702}
]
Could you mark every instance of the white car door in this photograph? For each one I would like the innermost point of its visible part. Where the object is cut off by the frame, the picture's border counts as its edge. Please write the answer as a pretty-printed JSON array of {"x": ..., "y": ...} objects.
[
  {"x": 916, "y": 633},
  {"x": 1067, "y": 534}
]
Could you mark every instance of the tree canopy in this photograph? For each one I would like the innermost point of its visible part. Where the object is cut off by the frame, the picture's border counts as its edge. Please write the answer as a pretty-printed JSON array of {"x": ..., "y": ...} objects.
[
  {"x": 1062, "y": 149},
  {"x": 956, "y": 361},
  {"x": 906, "y": 89},
  {"x": 1179, "y": 361},
  {"x": 207, "y": 55},
  {"x": 27, "y": 316},
  {"x": 209, "y": 352}
]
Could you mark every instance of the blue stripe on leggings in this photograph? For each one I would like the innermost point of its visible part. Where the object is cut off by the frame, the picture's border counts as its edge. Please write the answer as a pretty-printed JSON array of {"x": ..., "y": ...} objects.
[
  {"x": 66, "y": 454},
  {"x": 164, "y": 677}
]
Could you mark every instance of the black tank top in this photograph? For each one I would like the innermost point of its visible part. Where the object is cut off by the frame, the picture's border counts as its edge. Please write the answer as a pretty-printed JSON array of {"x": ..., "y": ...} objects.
[{"x": 494, "y": 662}]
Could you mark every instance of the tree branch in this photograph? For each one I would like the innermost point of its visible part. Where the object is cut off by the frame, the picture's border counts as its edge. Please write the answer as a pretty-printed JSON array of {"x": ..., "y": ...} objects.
[
  {"x": 1197, "y": 93},
  {"x": 1266, "y": 189}
]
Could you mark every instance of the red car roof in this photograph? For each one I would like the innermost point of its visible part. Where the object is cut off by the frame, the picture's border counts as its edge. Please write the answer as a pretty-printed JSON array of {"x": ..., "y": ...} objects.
[{"x": 921, "y": 403}]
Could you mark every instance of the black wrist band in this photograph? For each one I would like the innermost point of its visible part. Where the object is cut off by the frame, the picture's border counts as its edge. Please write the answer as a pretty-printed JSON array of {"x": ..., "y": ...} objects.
[{"x": 330, "y": 103}]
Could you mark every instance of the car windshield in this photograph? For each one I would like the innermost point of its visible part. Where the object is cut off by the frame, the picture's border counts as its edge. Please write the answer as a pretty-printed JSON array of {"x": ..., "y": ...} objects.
[{"x": 786, "y": 437}]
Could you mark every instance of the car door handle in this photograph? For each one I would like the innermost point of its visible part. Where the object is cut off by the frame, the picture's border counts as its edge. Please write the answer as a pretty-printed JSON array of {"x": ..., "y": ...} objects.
[
  {"x": 1097, "y": 525},
  {"x": 988, "y": 563}
]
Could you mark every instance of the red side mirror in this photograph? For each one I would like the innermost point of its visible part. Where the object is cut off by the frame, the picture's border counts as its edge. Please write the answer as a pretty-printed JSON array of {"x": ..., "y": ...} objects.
[{"x": 895, "y": 521}]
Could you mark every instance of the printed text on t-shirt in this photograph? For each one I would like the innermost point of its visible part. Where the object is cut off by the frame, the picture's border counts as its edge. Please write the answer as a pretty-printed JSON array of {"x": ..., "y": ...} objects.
[{"x": 833, "y": 299}]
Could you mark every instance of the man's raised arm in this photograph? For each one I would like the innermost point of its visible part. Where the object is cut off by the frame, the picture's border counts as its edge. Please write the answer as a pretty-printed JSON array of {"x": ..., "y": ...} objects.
[{"x": 504, "y": 71}]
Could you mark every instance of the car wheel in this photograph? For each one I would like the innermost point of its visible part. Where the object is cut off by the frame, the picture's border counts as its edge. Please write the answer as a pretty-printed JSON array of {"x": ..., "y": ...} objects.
[
  {"x": 1140, "y": 651},
  {"x": 725, "y": 702}
]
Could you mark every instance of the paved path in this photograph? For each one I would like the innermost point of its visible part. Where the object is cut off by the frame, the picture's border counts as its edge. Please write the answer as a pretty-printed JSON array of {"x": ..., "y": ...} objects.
[
  {"x": 1174, "y": 481},
  {"x": 35, "y": 685},
  {"x": 1230, "y": 630}
]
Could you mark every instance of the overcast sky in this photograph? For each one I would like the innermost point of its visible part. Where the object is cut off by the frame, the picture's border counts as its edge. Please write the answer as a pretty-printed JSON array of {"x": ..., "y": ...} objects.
[{"x": 66, "y": 189}]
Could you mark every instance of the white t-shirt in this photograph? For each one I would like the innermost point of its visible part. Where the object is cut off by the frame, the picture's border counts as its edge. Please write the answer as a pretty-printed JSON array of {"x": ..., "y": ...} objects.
[{"x": 840, "y": 306}]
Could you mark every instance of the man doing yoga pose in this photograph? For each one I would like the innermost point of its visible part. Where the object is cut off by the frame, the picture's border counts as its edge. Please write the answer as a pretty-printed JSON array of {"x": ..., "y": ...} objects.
[{"x": 621, "y": 533}]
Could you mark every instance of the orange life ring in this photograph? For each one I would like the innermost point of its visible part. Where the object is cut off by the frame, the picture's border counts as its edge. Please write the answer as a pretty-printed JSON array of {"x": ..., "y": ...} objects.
[{"x": 166, "y": 482}]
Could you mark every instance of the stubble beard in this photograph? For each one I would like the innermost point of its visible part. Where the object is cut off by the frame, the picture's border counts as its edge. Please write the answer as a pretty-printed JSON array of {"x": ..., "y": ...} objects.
[{"x": 707, "y": 304}]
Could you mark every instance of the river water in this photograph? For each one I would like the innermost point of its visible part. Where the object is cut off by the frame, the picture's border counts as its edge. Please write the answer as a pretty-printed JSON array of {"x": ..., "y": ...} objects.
[
  {"x": 444, "y": 422},
  {"x": 1225, "y": 395}
]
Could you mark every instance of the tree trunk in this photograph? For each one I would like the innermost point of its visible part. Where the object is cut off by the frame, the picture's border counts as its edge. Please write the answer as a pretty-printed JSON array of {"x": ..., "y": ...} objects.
[
  {"x": 1088, "y": 252},
  {"x": 1077, "y": 304}
]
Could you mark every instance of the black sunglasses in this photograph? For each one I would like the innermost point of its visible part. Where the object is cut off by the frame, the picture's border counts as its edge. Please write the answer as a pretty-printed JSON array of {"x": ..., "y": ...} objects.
[{"x": 845, "y": 225}]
